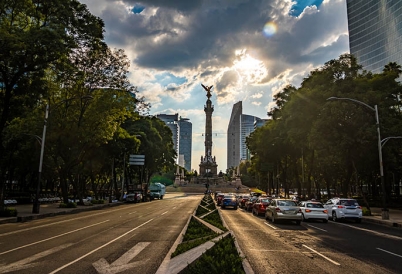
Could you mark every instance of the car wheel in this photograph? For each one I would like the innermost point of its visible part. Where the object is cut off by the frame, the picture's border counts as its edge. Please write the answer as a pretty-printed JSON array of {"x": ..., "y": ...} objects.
[
  {"x": 334, "y": 218},
  {"x": 223, "y": 207},
  {"x": 325, "y": 221},
  {"x": 273, "y": 219},
  {"x": 358, "y": 220},
  {"x": 298, "y": 222},
  {"x": 235, "y": 208},
  {"x": 304, "y": 219}
]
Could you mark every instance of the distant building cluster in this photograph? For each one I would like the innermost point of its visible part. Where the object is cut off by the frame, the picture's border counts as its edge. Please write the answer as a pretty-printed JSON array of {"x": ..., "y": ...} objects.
[
  {"x": 239, "y": 128},
  {"x": 182, "y": 131}
]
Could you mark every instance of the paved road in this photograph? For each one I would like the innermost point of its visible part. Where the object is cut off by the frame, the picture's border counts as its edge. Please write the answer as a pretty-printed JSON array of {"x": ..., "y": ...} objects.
[
  {"x": 130, "y": 238},
  {"x": 315, "y": 246}
]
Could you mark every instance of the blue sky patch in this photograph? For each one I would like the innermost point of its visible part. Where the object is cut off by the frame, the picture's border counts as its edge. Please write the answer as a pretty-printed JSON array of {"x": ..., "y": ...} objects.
[
  {"x": 138, "y": 9},
  {"x": 167, "y": 78},
  {"x": 298, "y": 8}
]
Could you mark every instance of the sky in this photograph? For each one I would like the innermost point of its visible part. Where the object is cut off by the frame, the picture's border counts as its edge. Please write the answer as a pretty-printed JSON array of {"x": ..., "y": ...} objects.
[{"x": 249, "y": 50}]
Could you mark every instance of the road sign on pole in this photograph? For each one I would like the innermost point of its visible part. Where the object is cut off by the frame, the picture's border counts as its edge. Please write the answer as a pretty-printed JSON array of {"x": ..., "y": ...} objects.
[{"x": 137, "y": 160}]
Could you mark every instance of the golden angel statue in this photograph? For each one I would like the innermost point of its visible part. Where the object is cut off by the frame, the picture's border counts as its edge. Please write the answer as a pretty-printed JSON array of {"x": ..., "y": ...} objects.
[{"x": 208, "y": 90}]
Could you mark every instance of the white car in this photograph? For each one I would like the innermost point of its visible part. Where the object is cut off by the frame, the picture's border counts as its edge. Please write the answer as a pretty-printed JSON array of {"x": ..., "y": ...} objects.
[
  {"x": 313, "y": 210},
  {"x": 344, "y": 208}
]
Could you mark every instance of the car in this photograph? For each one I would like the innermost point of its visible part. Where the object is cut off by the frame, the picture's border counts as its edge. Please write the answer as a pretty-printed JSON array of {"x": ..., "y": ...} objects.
[
  {"x": 313, "y": 210},
  {"x": 250, "y": 202},
  {"x": 219, "y": 198},
  {"x": 283, "y": 209},
  {"x": 260, "y": 205},
  {"x": 229, "y": 201},
  {"x": 344, "y": 208},
  {"x": 242, "y": 200}
]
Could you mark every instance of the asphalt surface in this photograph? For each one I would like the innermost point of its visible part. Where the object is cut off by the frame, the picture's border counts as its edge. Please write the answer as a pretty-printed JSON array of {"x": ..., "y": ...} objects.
[{"x": 52, "y": 209}]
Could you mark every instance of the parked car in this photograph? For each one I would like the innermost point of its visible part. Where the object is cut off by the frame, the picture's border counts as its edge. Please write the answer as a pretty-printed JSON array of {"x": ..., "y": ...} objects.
[
  {"x": 260, "y": 206},
  {"x": 283, "y": 209},
  {"x": 242, "y": 200},
  {"x": 313, "y": 210},
  {"x": 250, "y": 202},
  {"x": 229, "y": 201},
  {"x": 343, "y": 208}
]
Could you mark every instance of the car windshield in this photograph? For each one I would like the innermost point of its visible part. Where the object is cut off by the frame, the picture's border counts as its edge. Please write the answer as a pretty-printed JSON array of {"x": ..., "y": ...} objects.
[
  {"x": 286, "y": 203},
  {"x": 314, "y": 205},
  {"x": 230, "y": 197},
  {"x": 348, "y": 202},
  {"x": 265, "y": 200}
]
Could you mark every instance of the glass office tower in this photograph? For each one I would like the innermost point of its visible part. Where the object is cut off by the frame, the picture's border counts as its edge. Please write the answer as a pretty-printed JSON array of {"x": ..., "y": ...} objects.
[{"x": 375, "y": 32}]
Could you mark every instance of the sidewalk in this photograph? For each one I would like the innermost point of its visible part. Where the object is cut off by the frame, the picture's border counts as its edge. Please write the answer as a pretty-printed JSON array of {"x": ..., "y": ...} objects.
[
  {"x": 395, "y": 217},
  {"x": 48, "y": 210}
]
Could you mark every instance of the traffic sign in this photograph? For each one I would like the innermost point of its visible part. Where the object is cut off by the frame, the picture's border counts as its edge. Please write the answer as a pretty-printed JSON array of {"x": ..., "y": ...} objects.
[{"x": 137, "y": 160}]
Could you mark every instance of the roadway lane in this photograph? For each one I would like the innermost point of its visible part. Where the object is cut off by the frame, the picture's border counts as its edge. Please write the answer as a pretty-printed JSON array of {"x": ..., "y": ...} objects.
[
  {"x": 290, "y": 248},
  {"x": 125, "y": 239}
]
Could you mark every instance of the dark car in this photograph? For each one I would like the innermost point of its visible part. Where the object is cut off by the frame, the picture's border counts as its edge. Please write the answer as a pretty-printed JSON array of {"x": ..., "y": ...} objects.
[
  {"x": 229, "y": 201},
  {"x": 250, "y": 202},
  {"x": 242, "y": 200},
  {"x": 219, "y": 198},
  {"x": 260, "y": 205}
]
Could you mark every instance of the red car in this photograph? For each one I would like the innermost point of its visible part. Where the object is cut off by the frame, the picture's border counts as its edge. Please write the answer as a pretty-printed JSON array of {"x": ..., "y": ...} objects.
[
  {"x": 219, "y": 199},
  {"x": 260, "y": 206}
]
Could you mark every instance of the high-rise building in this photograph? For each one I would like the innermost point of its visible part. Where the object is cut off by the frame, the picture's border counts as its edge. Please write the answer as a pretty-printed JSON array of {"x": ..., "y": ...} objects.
[
  {"x": 172, "y": 121},
  {"x": 240, "y": 127},
  {"x": 185, "y": 140},
  {"x": 182, "y": 137},
  {"x": 375, "y": 32}
]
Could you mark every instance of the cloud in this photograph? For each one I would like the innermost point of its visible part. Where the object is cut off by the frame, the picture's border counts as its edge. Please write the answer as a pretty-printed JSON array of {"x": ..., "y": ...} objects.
[{"x": 176, "y": 45}]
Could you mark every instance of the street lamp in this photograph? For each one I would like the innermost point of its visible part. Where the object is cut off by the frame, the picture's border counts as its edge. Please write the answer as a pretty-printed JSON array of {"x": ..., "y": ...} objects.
[{"x": 385, "y": 212}]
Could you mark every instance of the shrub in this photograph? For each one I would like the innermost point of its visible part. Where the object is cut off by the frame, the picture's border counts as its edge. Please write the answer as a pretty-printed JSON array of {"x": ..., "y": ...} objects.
[
  {"x": 215, "y": 219},
  {"x": 221, "y": 258},
  {"x": 366, "y": 211},
  {"x": 68, "y": 205},
  {"x": 9, "y": 212},
  {"x": 201, "y": 211}
]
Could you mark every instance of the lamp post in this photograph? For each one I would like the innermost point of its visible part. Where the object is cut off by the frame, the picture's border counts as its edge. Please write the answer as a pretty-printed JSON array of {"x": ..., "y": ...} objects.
[
  {"x": 385, "y": 212},
  {"x": 36, "y": 204}
]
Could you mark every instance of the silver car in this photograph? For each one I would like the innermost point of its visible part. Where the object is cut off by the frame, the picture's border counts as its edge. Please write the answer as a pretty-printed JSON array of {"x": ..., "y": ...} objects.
[{"x": 283, "y": 209}]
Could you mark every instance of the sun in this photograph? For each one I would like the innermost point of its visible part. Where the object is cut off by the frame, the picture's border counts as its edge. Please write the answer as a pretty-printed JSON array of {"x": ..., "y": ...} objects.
[{"x": 251, "y": 70}]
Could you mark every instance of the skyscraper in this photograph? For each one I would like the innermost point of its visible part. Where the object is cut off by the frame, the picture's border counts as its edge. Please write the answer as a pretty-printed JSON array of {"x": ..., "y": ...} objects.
[
  {"x": 185, "y": 140},
  {"x": 375, "y": 32},
  {"x": 240, "y": 127},
  {"x": 172, "y": 121}
]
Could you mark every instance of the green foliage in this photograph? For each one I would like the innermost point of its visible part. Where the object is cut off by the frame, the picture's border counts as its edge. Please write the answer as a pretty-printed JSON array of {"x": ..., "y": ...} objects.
[
  {"x": 9, "y": 212},
  {"x": 200, "y": 211},
  {"x": 196, "y": 230},
  {"x": 215, "y": 219},
  {"x": 185, "y": 246},
  {"x": 221, "y": 258},
  {"x": 68, "y": 205},
  {"x": 366, "y": 212}
]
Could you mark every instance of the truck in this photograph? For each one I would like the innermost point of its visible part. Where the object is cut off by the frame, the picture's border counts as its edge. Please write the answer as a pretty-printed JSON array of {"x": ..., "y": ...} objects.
[{"x": 157, "y": 190}]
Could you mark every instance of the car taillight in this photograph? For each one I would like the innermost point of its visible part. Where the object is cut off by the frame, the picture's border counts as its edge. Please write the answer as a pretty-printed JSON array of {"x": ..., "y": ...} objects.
[
  {"x": 277, "y": 209},
  {"x": 325, "y": 211},
  {"x": 341, "y": 206},
  {"x": 308, "y": 210},
  {"x": 262, "y": 206}
]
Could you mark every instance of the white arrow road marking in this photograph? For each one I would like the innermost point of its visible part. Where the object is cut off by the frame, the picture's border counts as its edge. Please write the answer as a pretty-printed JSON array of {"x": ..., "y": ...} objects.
[
  {"x": 121, "y": 264},
  {"x": 96, "y": 249},
  {"x": 26, "y": 263}
]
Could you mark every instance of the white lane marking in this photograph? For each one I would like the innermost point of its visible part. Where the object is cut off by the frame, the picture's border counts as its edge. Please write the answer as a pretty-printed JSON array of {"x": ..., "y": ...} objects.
[
  {"x": 132, "y": 212},
  {"x": 389, "y": 252},
  {"x": 164, "y": 212},
  {"x": 96, "y": 249},
  {"x": 121, "y": 264},
  {"x": 26, "y": 263},
  {"x": 174, "y": 207},
  {"x": 373, "y": 232},
  {"x": 317, "y": 228},
  {"x": 51, "y": 238},
  {"x": 325, "y": 257},
  {"x": 271, "y": 226}
]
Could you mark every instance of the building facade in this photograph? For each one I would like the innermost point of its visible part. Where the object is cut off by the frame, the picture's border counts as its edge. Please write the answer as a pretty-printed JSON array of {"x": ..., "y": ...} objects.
[
  {"x": 239, "y": 128},
  {"x": 375, "y": 32},
  {"x": 172, "y": 121},
  {"x": 185, "y": 142}
]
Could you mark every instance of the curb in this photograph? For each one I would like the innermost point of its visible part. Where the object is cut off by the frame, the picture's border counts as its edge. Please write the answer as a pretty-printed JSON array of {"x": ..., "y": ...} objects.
[{"x": 382, "y": 222}]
